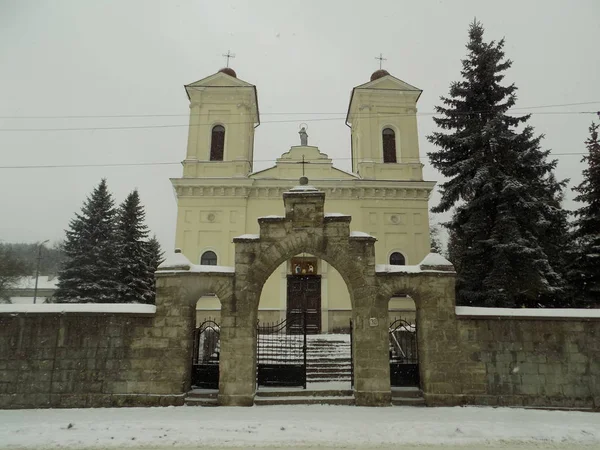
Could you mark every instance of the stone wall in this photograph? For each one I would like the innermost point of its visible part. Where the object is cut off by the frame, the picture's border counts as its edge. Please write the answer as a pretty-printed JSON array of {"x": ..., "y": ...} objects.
[
  {"x": 529, "y": 362},
  {"x": 513, "y": 361},
  {"x": 91, "y": 360}
]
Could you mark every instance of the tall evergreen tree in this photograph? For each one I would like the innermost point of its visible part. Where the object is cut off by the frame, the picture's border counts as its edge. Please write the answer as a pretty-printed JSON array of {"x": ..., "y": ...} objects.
[
  {"x": 134, "y": 258},
  {"x": 434, "y": 238},
  {"x": 156, "y": 257},
  {"x": 585, "y": 269},
  {"x": 502, "y": 184},
  {"x": 89, "y": 272}
]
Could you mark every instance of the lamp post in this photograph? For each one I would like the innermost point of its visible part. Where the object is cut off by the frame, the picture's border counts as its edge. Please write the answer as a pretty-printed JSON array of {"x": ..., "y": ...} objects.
[{"x": 37, "y": 268}]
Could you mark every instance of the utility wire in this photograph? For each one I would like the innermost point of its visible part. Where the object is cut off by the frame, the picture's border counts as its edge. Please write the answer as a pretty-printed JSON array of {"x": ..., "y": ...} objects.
[
  {"x": 120, "y": 116},
  {"x": 133, "y": 127},
  {"x": 167, "y": 163}
]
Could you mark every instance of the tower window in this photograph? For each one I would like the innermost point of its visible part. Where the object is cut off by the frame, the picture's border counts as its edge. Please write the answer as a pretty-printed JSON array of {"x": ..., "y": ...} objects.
[
  {"x": 208, "y": 259},
  {"x": 397, "y": 259},
  {"x": 217, "y": 143},
  {"x": 389, "y": 145}
]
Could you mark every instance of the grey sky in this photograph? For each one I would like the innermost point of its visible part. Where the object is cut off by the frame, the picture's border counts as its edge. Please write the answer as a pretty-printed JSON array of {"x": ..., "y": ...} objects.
[{"x": 74, "y": 58}]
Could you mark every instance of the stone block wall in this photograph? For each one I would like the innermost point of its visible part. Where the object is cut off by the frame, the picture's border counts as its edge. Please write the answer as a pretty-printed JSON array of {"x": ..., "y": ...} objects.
[
  {"x": 534, "y": 362},
  {"x": 99, "y": 360}
]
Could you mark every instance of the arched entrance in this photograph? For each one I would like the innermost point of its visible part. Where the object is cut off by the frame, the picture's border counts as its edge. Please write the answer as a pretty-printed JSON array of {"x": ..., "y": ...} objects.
[{"x": 306, "y": 228}]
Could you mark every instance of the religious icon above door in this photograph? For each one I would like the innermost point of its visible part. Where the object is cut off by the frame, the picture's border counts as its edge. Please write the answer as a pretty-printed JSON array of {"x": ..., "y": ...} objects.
[{"x": 304, "y": 266}]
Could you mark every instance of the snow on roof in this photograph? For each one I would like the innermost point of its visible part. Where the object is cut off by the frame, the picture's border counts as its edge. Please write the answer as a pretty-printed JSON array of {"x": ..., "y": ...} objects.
[
  {"x": 555, "y": 313},
  {"x": 248, "y": 236},
  {"x": 336, "y": 215},
  {"x": 44, "y": 282},
  {"x": 389, "y": 268},
  {"x": 435, "y": 259},
  {"x": 176, "y": 261},
  {"x": 272, "y": 217},
  {"x": 92, "y": 308},
  {"x": 361, "y": 234},
  {"x": 199, "y": 268},
  {"x": 307, "y": 187}
]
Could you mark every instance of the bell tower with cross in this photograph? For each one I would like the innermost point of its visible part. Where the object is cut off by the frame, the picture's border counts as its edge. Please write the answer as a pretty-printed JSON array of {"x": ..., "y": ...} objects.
[
  {"x": 383, "y": 120},
  {"x": 223, "y": 117}
]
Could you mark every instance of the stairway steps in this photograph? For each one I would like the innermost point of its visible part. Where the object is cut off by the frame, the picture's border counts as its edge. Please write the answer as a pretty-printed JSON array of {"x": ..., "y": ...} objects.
[
  {"x": 200, "y": 402},
  {"x": 407, "y": 396},
  {"x": 283, "y": 392},
  {"x": 202, "y": 397},
  {"x": 295, "y": 400},
  {"x": 402, "y": 401}
]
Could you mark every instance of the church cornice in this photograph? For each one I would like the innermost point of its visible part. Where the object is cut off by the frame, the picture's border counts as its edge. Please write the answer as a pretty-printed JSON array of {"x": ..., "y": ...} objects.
[{"x": 334, "y": 189}]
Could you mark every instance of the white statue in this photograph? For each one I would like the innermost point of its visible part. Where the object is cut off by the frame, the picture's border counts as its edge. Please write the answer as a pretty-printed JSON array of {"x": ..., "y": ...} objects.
[{"x": 303, "y": 137}]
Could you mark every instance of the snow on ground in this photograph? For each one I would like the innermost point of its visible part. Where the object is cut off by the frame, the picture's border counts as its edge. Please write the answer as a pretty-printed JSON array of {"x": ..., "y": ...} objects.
[
  {"x": 555, "y": 313},
  {"x": 296, "y": 426},
  {"x": 64, "y": 308}
]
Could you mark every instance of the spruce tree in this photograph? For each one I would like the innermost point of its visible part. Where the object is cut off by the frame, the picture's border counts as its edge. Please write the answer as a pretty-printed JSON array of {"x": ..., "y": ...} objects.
[
  {"x": 156, "y": 257},
  {"x": 133, "y": 252},
  {"x": 502, "y": 185},
  {"x": 89, "y": 272},
  {"x": 584, "y": 273}
]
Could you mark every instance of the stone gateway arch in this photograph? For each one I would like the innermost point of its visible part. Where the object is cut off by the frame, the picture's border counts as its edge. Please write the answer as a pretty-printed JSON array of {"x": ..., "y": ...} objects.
[{"x": 305, "y": 227}]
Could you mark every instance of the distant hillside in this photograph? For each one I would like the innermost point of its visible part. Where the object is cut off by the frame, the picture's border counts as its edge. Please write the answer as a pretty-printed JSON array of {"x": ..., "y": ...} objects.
[{"x": 52, "y": 257}]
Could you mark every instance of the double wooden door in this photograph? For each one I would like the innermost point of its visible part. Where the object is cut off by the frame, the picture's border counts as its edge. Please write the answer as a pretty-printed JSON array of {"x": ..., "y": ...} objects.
[{"x": 304, "y": 294}]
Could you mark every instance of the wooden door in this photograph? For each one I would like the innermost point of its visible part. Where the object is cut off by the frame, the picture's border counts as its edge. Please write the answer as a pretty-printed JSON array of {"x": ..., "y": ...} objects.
[{"x": 304, "y": 293}]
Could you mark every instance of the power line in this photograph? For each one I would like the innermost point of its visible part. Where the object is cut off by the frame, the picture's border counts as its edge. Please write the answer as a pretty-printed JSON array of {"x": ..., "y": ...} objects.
[
  {"x": 167, "y": 163},
  {"x": 121, "y": 116},
  {"x": 134, "y": 127}
]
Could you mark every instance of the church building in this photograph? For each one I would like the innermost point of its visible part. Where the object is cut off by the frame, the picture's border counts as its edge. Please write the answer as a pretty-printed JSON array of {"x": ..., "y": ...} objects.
[{"x": 220, "y": 197}]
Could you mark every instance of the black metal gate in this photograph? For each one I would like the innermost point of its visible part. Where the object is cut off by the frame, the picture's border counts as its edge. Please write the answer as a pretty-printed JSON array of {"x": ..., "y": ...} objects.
[
  {"x": 205, "y": 360},
  {"x": 281, "y": 352},
  {"x": 404, "y": 359}
]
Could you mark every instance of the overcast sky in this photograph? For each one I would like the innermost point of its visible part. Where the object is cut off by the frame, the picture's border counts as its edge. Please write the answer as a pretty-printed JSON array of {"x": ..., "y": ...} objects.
[{"x": 126, "y": 57}]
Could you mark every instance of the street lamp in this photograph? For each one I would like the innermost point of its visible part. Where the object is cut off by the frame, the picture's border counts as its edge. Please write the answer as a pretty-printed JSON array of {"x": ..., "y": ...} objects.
[{"x": 37, "y": 268}]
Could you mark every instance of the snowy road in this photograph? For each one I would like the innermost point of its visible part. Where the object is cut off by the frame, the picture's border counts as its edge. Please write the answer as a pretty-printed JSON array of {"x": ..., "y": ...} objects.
[{"x": 299, "y": 427}]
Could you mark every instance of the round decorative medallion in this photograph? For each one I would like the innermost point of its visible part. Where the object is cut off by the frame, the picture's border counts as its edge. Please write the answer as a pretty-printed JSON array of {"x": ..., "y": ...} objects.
[
  {"x": 211, "y": 217},
  {"x": 394, "y": 219}
]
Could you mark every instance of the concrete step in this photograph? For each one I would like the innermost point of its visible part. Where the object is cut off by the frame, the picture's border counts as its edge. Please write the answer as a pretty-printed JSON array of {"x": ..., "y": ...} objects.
[
  {"x": 284, "y": 392},
  {"x": 407, "y": 396},
  {"x": 407, "y": 392},
  {"x": 327, "y": 369},
  {"x": 203, "y": 393},
  {"x": 404, "y": 401},
  {"x": 297, "y": 400},
  {"x": 202, "y": 397},
  {"x": 327, "y": 379},
  {"x": 200, "y": 401}
]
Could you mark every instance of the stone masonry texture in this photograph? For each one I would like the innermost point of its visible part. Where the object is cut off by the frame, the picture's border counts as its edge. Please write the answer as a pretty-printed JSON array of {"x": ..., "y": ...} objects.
[{"x": 94, "y": 360}]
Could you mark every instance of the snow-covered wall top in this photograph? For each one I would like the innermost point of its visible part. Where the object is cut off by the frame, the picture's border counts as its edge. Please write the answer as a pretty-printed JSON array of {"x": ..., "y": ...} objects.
[
  {"x": 177, "y": 262},
  {"x": 80, "y": 308},
  {"x": 553, "y": 313}
]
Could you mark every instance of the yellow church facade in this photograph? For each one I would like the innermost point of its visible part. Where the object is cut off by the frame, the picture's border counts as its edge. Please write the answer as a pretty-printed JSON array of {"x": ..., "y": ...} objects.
[{"x": 219, "y": 197}]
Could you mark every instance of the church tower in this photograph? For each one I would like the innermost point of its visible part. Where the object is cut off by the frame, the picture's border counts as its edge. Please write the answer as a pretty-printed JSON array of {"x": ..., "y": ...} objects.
[
  {"x": 382, "y": 116},
  {"x": 223, "y": 116}
]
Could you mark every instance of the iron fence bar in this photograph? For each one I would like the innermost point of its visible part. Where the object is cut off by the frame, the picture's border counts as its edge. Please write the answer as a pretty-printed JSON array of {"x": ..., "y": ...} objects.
[
  {"x": 304, "y": 347},
  {"x": 351, "y": 356}
]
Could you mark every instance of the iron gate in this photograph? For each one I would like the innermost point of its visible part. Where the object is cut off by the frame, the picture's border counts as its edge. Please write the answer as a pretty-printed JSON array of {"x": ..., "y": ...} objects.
[
  {"x": 404, "y": 359},
  {"x": 205, "y": 361},
  {"x": 281, "y": 352}
]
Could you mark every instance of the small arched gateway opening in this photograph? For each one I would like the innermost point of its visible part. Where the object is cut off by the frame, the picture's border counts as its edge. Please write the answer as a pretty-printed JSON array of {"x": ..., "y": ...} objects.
[{"x": 306, "y": 229}]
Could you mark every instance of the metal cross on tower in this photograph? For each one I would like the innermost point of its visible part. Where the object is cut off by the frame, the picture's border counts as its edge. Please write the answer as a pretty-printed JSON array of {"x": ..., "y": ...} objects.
[
  {"x": 229, "y": 55},
  {"x": 381, "y": 60}
]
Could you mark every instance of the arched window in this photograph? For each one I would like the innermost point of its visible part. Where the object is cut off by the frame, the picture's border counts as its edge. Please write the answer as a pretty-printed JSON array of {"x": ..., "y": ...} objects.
[
  {"x": 208, "y": 259},
  {"x": 389, "y": 145},
  {"x": 217, "y": 143},
  {"x": 397, "y": 259}
]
